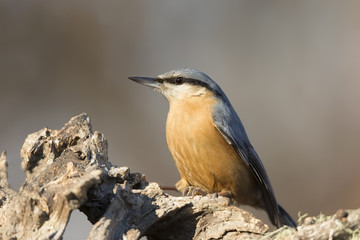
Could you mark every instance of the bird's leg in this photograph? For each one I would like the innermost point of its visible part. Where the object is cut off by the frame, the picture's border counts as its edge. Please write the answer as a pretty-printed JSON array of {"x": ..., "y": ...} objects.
[
  {"x": 182, "y": 184},
  {"x": 225, "y": 193},
  {"x": 184, "y": 187}
]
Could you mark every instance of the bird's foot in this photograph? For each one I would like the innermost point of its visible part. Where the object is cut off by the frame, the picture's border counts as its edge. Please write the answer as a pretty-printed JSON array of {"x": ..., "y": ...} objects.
[
  {"x": 223, "y": 193},
  {"x": 192, "y": 191}
]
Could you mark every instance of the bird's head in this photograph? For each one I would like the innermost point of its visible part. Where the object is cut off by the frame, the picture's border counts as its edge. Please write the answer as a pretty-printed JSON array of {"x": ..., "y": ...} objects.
[{"x": 181, "y": 83}]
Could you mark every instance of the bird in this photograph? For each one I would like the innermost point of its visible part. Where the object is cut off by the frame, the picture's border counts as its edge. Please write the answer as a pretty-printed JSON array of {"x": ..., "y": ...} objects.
[{"x": 209, "y": 144}]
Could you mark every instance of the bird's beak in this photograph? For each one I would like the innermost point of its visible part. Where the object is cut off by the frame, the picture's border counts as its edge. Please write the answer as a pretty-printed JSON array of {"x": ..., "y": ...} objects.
[{"x": 147, "y": 81}]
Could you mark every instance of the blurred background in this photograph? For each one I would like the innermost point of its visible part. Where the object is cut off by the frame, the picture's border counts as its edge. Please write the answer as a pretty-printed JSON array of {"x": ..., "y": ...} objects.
[{"x": 290, "y": 68}]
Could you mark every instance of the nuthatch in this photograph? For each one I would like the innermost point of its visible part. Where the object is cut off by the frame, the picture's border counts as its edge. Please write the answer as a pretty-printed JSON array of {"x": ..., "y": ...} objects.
[{"x": 209, "y": 144}]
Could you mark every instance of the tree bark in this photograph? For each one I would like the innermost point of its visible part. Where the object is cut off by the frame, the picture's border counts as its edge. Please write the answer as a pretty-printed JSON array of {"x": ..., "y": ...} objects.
[{"x": 68, "y": 169}]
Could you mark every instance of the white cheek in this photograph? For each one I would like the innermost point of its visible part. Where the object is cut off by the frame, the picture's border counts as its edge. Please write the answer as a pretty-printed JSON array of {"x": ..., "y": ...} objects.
[
  {"x": 171, "y": 91},
  {"x": 184, "y": 89},
  {"x": 168, "y": 91},
  {"x": 199, "y": 91}
]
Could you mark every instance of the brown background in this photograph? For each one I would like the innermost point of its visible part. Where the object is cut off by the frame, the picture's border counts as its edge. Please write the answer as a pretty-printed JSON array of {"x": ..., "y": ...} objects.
[{"x": 290, "y": 68}]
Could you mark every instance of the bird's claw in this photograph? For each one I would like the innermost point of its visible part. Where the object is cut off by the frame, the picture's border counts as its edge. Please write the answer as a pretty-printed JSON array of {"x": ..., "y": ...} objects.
[
  {"x": 192, "y": 191},
  {"x": 223, "y": 193}
]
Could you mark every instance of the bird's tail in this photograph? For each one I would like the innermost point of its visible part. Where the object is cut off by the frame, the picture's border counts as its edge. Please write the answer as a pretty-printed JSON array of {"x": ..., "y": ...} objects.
[{"x": 285, "y": 219}]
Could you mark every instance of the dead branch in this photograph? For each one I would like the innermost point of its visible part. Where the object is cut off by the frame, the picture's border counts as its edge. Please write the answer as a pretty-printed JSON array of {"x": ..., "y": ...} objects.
[{"x": 68, "y": 169}]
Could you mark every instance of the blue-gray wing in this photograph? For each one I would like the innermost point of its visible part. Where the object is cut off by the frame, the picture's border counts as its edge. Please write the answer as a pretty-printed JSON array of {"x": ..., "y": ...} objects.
[{"x": 229, "y": 125}]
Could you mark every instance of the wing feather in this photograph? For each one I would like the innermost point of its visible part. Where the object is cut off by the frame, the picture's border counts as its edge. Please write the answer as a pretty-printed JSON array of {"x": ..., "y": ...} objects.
[{"x": 229, "y": 125}]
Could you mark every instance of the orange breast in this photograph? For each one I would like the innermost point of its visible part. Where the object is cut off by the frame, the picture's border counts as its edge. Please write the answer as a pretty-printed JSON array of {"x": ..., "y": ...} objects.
[{"x": 203, "y": 157}]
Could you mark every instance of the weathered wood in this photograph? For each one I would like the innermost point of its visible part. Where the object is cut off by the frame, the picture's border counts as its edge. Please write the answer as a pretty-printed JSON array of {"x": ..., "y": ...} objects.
[{"x": 68, "y": 169}]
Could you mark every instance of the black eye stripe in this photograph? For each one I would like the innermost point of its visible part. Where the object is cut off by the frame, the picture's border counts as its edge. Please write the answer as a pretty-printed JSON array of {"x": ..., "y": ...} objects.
[{"x": 182, "y": 80}]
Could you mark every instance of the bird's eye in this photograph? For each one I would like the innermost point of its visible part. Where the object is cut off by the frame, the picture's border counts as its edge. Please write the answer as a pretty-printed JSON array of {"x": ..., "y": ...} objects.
[{"x": 179, "y": 80}]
